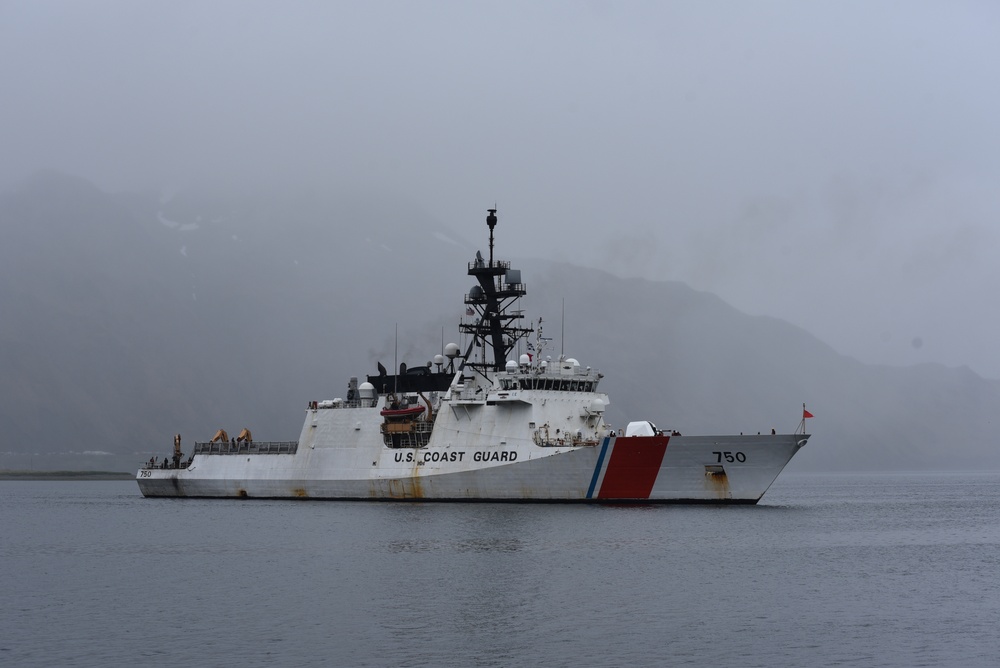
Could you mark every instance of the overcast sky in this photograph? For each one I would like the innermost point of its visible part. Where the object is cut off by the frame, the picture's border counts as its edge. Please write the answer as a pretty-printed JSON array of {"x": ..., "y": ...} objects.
[{"x": 835, "y": 164}]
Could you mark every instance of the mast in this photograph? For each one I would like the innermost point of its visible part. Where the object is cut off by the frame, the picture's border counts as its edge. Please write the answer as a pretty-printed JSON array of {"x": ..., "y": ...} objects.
[
  {"x": 496, "y": 327},
  {"x": 491, "y": 221}
]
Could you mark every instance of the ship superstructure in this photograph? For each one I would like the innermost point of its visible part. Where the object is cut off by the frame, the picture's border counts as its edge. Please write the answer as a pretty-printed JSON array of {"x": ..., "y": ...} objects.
[{"x": 497, "y": 421}]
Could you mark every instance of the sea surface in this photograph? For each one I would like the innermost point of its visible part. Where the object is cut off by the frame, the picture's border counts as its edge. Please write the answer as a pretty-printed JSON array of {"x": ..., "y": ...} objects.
[{"x": 831, "y": 570}]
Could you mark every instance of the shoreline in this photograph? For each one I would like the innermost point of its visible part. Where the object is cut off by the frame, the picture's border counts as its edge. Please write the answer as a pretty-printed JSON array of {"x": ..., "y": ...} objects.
[{"x": 65, "y": 475}]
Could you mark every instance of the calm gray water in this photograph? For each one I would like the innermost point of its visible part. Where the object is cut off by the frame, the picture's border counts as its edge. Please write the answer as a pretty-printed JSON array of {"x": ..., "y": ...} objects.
[{"x": 873, "y": 570}]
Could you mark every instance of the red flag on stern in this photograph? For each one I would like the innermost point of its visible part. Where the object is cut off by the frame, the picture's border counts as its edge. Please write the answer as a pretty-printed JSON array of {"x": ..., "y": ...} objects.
[{"x": 805, "y": 413}]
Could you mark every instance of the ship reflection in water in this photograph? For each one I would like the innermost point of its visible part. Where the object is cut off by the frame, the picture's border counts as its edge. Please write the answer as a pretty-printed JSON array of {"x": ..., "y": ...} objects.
[{"x": 889, "y": 570}]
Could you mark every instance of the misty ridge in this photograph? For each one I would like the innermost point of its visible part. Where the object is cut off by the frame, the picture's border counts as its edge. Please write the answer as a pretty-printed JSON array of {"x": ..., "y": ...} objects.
[{"x": 128, "y": 317}]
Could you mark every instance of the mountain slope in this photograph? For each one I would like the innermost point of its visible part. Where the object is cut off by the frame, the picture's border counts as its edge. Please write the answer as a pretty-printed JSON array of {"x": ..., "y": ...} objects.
[{"x": 127, "y": 318}]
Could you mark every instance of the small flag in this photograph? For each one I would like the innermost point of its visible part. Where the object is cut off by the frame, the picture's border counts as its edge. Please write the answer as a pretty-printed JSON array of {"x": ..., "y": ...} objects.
[
  {"x": 469, "y": 311},
  {"x": 531, "y": 346},
  {"x": 806, "y": 414}
]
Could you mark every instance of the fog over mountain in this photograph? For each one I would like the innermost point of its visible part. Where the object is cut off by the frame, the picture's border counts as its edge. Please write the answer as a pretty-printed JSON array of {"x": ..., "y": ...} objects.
[
  {"x": 128, "y": 317},
  {"x": 214, "y": 212},
  {"x": 832, "y": 164}
]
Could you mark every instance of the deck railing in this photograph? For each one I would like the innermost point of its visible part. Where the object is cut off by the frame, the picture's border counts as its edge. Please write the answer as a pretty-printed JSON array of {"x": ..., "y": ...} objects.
[{"x": 253, "y": 448}]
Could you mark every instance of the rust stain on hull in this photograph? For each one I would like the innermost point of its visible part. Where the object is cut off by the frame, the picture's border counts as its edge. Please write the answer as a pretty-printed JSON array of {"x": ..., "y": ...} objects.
[
  {"x": 300, "y": 493},
  {"x": 717, "y": 481},
  {"x": 416, "y": 488}
]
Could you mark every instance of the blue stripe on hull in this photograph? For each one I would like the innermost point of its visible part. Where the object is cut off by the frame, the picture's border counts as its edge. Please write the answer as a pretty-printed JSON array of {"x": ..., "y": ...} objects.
[{"x": 600, "y": 464}]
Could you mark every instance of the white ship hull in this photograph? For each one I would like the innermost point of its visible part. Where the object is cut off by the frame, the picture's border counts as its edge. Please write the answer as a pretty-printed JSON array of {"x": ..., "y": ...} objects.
[{"x": 467, "y": 466}]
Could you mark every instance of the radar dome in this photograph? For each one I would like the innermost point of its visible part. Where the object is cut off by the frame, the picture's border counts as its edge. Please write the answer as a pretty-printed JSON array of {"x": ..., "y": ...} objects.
[
  {"x": 451, "y": 351},
  {"x": 524, "y": 360},
  {"x": 366, "y": 390},
  {"x": 511, "y": 366},
  {"x": 476, "y": 292},
  {"x": 439, "y": 359}
]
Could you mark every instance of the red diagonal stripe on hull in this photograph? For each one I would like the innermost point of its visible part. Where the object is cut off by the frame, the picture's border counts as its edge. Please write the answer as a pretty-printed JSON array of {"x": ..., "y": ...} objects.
[{"x": 633, "y": 466}]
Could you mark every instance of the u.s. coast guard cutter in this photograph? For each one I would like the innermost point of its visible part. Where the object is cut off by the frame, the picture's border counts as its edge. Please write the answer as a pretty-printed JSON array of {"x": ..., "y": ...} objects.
[{"x": 480, "y": 426}]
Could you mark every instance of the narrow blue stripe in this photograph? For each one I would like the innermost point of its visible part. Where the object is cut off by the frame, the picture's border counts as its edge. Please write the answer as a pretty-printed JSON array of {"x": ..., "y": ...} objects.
[{"x": 600, "y": 463}]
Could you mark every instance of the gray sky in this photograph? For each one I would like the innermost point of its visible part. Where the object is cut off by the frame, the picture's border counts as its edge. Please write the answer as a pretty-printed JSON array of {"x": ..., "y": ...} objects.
[{"x": 834, "y": 164}]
